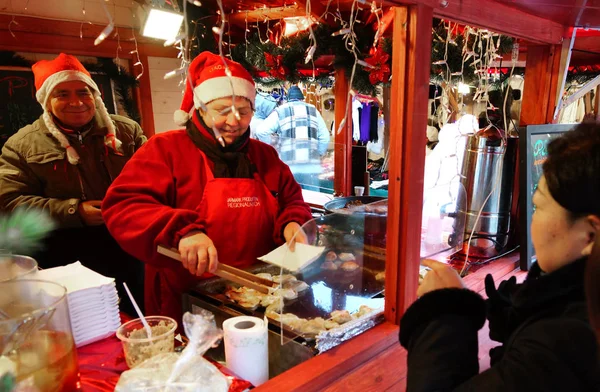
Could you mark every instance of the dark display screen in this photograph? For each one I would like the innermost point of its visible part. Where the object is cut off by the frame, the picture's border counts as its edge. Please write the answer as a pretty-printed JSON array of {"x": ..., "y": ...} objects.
[{"x": 533, "y": 151}]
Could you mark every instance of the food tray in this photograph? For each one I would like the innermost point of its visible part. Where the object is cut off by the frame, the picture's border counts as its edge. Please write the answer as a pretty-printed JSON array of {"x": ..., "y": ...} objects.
[{"x": 328, "y": 290}]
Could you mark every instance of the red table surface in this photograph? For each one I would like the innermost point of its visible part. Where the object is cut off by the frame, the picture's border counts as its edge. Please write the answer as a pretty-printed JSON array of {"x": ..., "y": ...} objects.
[{"x": 101, "y": 364}]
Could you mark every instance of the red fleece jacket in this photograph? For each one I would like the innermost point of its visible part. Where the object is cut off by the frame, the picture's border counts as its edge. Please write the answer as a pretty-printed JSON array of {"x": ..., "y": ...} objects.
[{"x": 154, "y": 199}]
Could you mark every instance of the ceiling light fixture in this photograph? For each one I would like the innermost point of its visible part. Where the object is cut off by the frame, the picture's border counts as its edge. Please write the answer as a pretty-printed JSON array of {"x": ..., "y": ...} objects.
[{"x": 162, "y": 24}]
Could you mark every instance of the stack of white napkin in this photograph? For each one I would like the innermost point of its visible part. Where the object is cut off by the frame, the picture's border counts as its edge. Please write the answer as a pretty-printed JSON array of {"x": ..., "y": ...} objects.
[{"x": 93, "y": 301}]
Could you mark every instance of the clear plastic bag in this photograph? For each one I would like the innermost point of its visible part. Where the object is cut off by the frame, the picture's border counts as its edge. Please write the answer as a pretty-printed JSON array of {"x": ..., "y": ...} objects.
[{"x": 185, "y": 372}]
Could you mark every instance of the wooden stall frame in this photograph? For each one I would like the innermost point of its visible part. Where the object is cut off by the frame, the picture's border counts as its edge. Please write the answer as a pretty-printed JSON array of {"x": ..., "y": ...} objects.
[
  {"x": 408, "y": 112},
  {"x": 342, "y": 137},
  {"x": 357, "y": 358}
]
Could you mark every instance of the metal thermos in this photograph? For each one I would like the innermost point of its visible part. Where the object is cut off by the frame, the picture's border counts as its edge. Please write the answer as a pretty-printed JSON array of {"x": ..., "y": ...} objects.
[{"x": 488, "y": 165}]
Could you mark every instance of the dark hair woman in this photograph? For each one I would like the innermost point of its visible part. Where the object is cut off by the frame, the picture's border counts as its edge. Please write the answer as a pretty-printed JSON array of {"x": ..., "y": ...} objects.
[
  {"x": 592, "y": 285},
  {"x": 543, "y": 325}
]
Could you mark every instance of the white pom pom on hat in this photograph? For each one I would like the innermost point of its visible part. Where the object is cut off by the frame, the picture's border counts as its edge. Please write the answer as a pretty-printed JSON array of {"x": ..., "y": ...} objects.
[{"x": 180, "y": 117}]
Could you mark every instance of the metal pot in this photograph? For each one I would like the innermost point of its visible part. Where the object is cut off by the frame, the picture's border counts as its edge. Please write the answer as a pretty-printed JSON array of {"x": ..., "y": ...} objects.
[
  {"x": 340, "y": 202},
  {"x": 374, "y": 225}
]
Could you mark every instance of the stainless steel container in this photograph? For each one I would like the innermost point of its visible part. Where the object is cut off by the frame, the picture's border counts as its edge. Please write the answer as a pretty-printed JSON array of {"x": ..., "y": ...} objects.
[{"x": 488, "y": 173}]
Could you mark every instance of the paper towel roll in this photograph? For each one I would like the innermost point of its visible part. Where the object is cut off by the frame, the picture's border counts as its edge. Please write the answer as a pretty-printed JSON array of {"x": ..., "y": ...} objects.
[{"x": 247, "y": 348}]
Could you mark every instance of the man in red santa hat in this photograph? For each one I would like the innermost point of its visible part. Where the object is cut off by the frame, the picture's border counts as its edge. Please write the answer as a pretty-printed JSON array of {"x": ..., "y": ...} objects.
[
  {"x": 209, "y": 190},
  {"x": 64, "y": 163}
]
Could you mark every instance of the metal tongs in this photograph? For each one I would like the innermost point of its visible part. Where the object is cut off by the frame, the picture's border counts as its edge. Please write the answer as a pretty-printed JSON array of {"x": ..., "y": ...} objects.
[{"x": 228, "y": 272}]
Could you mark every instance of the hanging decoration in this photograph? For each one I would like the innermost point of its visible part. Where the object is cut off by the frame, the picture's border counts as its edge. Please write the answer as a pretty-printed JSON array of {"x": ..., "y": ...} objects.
[
  {"x": 380, "y": 70},
  {"x": 275, "y": 66},
  {"x": 459, "y": 53},
  {"x": 293, "y": 50}
]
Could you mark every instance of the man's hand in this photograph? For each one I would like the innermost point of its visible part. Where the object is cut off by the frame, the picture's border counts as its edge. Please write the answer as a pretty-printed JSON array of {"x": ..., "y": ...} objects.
[
  {"x": 198, "y": 253},
  {"x": 441, "y": 276},
  {"x": 293, "y": 233},
  {"x": 90, "y": 212}
]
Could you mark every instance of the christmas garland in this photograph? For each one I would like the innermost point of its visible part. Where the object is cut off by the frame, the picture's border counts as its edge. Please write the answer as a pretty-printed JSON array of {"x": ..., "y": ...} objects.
[
  {"x": 123, "y": 84},
  {"x": 448, "y": 54},
  {"x": 273, "y": 64},
  {"x": 285, "y": 62}
]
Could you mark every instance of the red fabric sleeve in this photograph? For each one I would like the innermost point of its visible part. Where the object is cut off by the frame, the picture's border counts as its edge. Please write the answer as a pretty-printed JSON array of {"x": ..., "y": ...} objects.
[{"x": 138, "y": 207}]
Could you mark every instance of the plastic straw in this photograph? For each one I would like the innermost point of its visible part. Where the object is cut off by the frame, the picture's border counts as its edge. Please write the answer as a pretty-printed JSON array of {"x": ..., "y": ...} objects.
[{"x": 138, "y": 311}]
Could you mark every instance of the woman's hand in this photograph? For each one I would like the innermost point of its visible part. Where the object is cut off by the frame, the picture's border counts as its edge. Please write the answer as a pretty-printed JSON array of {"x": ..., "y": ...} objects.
[
  {"x": 293, "y": 233},
  {"x": 441, "y": 276},
  {"x": 197, "y": 253}
]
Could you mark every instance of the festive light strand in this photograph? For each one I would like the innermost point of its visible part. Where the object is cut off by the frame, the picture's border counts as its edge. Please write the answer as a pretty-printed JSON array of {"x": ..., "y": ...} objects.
[{"x": 107, "y": 30}]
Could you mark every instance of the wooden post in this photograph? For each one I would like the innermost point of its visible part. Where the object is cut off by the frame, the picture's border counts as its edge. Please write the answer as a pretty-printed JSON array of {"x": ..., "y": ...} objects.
[
  {"x": 343, "y": 139},
  {"x": 143, "y": 94},
  {"x": 560, "y": 62},
  {"x": 410, "y": 88},
  {"x": 597, "y": 103},
  {"x": 542, "y": 82}
]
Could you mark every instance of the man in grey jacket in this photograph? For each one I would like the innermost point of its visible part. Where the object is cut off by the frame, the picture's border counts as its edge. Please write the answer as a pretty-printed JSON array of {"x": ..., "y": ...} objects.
[{"x": 64, "y": 163}]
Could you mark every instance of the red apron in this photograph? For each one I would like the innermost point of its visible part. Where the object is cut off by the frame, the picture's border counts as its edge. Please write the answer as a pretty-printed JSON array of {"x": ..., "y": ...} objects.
[{"x": 239, "y": 217}]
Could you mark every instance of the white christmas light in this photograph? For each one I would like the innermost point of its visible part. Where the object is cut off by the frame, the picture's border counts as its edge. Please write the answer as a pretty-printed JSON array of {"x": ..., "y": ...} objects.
[
  {"x": 173, "y": 41},
  {"x": 174, "y": 73},
  {"x": 340, "y": 32},
  {"x": 364, "y": 64},
  {"x": 463, "y": 88},
  {"x": 309, "y": 55},
  {"x": 162, "y": 24},
  {"x": 105, "y": 33}
]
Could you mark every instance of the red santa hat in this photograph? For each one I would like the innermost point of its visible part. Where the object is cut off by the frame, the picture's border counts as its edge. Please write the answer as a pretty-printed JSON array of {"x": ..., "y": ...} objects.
[
  {"x": 208, "y": 81},
  {"x": 66, "y": 68}
]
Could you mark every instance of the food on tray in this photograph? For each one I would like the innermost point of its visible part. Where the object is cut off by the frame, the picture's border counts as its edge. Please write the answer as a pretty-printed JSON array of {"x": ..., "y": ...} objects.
[
  {"x": 345, "y": 261},
  {"x": 331, "y": 256},
  {"x": 380, "y": 277},
  {"x": 285, "y": 318},
  {"x": 286, "y": 293},
  {"x": 244, "y": 296},
  {"x": 329, "y": 266},
  {"x": 283, "y": 278},
  {"x": 318, "y": 324},
  {"x": 265, "y": 276},
  {"x": 346, "y": 257},
  {"x": 353, "y": 203},
  {"x": 269, "y": 300},
  {"x": 377, "y": 209},
  {"x": 331, "y": 324},
  {"x": 252, "y": 299},
  {"x": 364, "y": 309},
  {"x": 349, "y": 266},
  {"x": 296, "y": 285},
  {"x": 341, "y": 316},
  {"x": 302, "y": 325},
  {"x": 274, "y": 308}
]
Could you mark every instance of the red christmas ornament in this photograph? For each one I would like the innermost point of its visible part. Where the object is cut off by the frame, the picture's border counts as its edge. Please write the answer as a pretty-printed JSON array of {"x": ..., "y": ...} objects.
[
  {"x": 381, "y": 70},
  {"x": 275, "y": 67}
]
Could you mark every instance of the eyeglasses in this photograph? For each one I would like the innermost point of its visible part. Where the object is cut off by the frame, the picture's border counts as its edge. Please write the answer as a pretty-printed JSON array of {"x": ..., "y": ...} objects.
[{"x": 221, "y": 114}]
